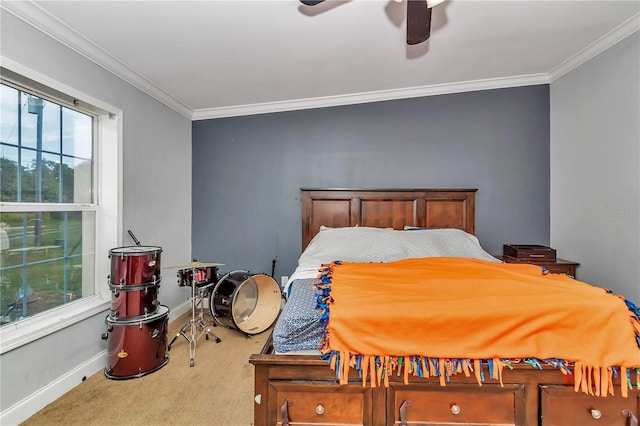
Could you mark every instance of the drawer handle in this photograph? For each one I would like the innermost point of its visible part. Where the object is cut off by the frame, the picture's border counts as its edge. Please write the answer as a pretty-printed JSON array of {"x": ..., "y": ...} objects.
[
  {"x": 403, "y": 411},
  {"x": 629, "y": 414},
  {"x": 596, "y": 414},
  {"x": 319, "y": 410},
  {"x": 285, "y": 412},
  {"x": 455, "y": 409}
]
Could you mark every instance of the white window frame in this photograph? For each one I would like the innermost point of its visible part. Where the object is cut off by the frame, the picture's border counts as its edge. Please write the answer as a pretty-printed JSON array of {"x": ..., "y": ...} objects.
[{"x": 107, "y": 205}]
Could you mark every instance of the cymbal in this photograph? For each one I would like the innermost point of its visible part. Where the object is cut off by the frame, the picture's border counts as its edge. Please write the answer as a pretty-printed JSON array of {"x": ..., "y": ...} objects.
[{"x": 193, "y": 265}]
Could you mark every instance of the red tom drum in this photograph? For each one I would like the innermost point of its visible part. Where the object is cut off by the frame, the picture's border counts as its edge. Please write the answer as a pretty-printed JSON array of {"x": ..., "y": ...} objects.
[
  {"x": 135, "y": 265},
  {"x": 134, "y": 301},
  {"x": 136, "y": 347}
]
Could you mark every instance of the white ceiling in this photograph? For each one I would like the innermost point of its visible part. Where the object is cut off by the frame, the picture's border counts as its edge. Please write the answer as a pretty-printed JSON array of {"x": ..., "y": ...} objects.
[{"x": 208, "y": 59}]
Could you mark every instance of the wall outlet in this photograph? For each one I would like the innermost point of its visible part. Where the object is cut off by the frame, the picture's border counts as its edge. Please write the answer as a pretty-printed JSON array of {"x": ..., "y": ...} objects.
[{"x": 283, "y": 281}]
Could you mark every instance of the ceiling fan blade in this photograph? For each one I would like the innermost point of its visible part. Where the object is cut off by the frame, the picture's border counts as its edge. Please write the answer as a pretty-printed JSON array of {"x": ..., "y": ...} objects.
[
  {"x": 418, "y": 21},
  {"x": 311, "y": 2}
]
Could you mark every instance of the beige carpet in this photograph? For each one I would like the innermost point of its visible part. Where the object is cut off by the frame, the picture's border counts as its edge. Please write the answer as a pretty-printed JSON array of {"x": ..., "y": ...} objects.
[{"x": 218, "y": 390}]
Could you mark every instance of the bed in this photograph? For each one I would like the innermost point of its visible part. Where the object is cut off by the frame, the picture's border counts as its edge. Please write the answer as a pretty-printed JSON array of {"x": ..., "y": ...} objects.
[{"x": 299, "y": 387}]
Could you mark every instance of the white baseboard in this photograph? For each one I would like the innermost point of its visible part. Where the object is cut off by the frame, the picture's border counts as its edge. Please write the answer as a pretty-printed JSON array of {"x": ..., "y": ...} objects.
[
  {"x": 22, "y": 410},
  {"x": 183, "y": 308}
]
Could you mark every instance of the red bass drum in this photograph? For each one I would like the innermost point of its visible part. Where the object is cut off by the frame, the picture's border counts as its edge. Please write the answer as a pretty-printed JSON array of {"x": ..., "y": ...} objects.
[{"x": 136, "y": 347}]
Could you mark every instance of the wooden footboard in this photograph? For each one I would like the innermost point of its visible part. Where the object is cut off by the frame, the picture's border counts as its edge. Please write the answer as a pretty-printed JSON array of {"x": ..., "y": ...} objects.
[{"x": 303, "y": 390}]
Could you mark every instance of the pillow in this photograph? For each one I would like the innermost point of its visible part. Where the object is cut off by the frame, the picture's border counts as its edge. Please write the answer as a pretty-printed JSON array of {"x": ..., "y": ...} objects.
[{"x": 366, "y": 244}]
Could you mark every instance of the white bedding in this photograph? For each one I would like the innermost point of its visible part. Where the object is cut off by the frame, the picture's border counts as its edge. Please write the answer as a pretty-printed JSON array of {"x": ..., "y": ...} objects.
[{"x": 364, "y": 244}]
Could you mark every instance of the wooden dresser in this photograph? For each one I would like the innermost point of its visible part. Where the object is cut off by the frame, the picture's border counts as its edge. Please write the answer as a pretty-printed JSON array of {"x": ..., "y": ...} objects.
[{"x": 529, "y": 397}]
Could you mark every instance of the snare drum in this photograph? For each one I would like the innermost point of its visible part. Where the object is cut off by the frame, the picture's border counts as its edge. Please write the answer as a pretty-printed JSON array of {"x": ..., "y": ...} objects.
[
  {"x": 204, "y": 276},
  {"x": 249, "y": 303},
  {"x": 136, "y": 346},
  {"x": 134, "y": 265}
]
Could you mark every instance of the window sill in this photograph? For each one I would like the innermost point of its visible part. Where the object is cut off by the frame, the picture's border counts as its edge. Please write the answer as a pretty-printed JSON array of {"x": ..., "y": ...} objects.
[{"x": 25, "y": 331}]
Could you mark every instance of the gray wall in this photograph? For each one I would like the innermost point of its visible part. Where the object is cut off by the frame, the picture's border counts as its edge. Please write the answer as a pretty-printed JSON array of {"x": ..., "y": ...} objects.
[
  {"x": 156, "y": 198},
  {"x": 595, "y": 167},
  {"x": 247, "y": 171}
]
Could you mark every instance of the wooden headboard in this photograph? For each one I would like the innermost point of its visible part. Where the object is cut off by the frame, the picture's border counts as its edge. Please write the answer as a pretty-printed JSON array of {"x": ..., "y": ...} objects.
[{"x": 386, "y": 208}]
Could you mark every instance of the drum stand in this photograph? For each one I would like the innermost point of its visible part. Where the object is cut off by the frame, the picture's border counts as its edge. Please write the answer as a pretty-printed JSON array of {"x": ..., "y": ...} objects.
[{"x": 196, "y": 326}]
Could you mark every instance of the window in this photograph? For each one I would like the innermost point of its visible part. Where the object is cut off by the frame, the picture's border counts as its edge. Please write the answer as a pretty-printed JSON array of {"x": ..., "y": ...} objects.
[{"x": 59, "y": 210}]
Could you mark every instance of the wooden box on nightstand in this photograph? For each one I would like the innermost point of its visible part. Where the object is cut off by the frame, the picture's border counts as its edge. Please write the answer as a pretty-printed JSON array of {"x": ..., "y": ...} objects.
[{"x": 555, "y": 266}]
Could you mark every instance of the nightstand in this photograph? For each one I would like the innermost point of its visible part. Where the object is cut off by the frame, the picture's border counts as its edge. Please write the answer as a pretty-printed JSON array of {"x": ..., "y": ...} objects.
[{"x": 557, "y": 266}]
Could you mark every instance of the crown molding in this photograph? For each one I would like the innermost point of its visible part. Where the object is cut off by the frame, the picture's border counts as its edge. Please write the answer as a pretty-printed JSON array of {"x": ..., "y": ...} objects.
[
  {"x": 39, "y": 18},
  {"x": 367, "y": 97},
  {"x": 614, "y": 36}
]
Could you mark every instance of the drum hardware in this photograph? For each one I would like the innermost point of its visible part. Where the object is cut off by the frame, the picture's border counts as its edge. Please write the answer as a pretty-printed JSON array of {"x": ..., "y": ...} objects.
[
  {"x": 133, "y": 237},
  {"x": 193, "y": 330},
  {"x": 135, "y": 287},
  {"x": 248, "y": 303},
  {"x": 194, "y": 264},
  {"x": 275, "y": 256}
]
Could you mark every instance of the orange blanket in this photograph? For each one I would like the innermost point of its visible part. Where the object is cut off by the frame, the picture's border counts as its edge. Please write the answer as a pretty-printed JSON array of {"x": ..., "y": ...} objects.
[{"x": 439, "y": 316}]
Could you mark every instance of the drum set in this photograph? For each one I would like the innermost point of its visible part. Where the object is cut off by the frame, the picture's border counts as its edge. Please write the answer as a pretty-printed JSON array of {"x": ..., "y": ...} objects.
[
  {"x": 245, "y": 302},
  {"x": 137, "y": 325}
]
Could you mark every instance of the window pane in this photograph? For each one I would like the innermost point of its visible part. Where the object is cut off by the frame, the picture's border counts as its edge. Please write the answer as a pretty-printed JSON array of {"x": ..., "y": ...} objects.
[
  {"x": 27, "y": 176},
  {"x": 10, "y": 108},
  {"x": 50, "y": 178},
  {"x": 51, "y": 127},
  {"x": 8, "y": 173},
  {"x": 46, "y": 260},
  {"x": 11, "y": 226},
  {"x": 77, "y": 134},
  {"x": 29, "y": 122},
  {"x": 76, "y": 180}
]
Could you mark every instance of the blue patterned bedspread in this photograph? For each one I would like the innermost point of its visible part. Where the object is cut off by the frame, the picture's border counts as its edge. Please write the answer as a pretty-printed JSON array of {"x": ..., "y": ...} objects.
[{"x": 298, "y": 327}]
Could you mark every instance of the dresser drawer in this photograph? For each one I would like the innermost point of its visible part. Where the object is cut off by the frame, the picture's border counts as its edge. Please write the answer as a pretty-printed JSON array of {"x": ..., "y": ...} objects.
[
  {"x": 317, "y": 403},
  {"x": 431, "y": 404},
  {"x": 562, "y": 406}
]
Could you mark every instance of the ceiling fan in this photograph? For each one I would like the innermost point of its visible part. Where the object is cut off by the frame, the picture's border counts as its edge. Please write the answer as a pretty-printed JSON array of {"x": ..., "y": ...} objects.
[{"x": 418, "y": 18}]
